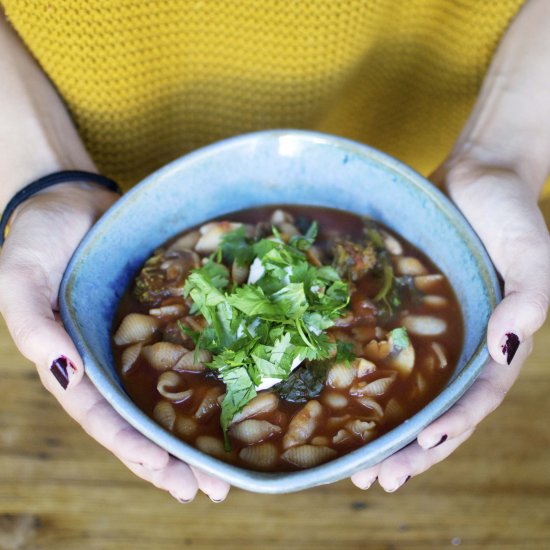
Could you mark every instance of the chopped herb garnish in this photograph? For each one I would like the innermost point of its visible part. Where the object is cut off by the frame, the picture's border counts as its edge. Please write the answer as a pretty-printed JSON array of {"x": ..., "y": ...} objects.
[
  {"x": 262, "y": 330},
  {"x": 344, "y": 352}
]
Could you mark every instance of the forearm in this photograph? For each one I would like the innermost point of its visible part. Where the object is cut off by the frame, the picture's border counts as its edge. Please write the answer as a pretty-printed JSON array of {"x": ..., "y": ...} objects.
[
  {"x": 37, "y": 136},
  {"x": 509, "y": 127}
]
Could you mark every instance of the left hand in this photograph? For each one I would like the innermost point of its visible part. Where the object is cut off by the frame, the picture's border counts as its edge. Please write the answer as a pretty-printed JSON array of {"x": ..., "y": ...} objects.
[{"x": 503, "y": 211}]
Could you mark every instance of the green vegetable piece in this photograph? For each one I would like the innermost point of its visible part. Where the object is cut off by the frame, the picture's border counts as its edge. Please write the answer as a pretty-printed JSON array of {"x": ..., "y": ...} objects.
[{"x": 400, "y": 338}]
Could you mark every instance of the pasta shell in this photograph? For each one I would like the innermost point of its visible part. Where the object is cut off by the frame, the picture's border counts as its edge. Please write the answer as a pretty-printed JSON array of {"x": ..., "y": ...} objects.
[
  {"x": 211, "y": 446},
  {"x": 264, "y": 402},
  {"x": 428, "y": 283},
  {"x": 320, "y": 440},
  {"x": 211, "y": 235},
  {"x": 135, "y": 327},
  {"x": 375, "y": 408},
  {"x": 434, "y": 301},
  {"x": 374, "y": 388},
  {"x": 335, "y": 400},
  {"x": 130, "y": 356},
  {"x": 185, "y": 242},
  {"x": 172, "y": 310},
  {"x": 165, "y": 414},
  {"x": 306, "y": 456},
  {"x": 163, "y": 355},
  {"x": 209, "y": 404},
  {"x": 166, "y": 383},
  {"x": 340, "y": 376},
  {"x": 193, "y": 361},
  {"x": 239, "y": 273},
  {"x": 407, "y": 265},
  {"x": 264, "y": 456},
  {"x": 280, "y": 216},
  {"x": 335, "y": 422},
  {"x": 440, "y": 353},
  {"x": 393, "y": 246},
  {"x": 303, "y": 424},
  {"x": 363, "y": 428},
  {"x": 186, "y": 426},
  {"x": 254, "y": 431},
  {"x": 401, "y": 359},
  {"x": 363, "y": 367},
  {"x": 341, "y": 437},
  {"x": 424, "y": 325}
]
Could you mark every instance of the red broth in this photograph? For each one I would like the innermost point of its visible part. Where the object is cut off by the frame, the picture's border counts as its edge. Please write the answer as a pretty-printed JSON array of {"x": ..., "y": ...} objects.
[{"x": 359, "y": 400}]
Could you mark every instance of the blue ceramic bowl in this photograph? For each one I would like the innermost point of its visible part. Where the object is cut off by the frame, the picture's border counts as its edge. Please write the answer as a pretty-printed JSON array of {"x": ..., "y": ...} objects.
[{"x": 273, "y": 167}]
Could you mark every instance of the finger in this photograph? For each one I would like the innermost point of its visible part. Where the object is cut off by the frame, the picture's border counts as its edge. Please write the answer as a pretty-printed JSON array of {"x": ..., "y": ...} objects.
[
  {"x": 215, "y": 488},
  {"x": 28, "y": 314},
  {"x": 175, "y": 477},
  {"x": 524, "y": 308},
  {"x": 396, "y": 470},
  {"x": 504, "y": 213},
  {"x": 479, "y": 401},
  {"x": 103, "y": 423},
  {"x": 365, "y": 478}
]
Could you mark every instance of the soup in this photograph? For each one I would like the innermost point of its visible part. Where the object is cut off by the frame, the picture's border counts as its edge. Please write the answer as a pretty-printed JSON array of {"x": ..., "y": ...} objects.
[{"x": 278, "y": 339}]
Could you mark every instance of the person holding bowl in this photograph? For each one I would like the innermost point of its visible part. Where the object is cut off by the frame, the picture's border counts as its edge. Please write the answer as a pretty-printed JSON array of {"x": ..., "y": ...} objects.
[{"x": 143, "y": 88}]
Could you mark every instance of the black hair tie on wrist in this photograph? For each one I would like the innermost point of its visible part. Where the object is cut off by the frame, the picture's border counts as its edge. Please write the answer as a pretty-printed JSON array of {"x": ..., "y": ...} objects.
[{"x": 66, "y": 176}]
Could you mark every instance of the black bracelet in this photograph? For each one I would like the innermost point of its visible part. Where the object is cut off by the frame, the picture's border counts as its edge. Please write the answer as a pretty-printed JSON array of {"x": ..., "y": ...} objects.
[{"x": 47, "y": 181}]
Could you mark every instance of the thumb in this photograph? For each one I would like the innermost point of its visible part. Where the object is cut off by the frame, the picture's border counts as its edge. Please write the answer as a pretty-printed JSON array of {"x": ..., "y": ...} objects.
[
  {"x": 26, "y": 306},
  {"x": 524, "y": 307}
]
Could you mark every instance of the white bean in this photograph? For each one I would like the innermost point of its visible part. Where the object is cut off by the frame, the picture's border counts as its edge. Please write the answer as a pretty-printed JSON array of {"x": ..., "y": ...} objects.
[{"x": 424, "y": 325}]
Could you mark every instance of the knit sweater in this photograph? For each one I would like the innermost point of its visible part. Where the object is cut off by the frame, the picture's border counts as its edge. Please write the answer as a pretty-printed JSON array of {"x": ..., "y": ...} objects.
[{"x": 147, "y": 81}]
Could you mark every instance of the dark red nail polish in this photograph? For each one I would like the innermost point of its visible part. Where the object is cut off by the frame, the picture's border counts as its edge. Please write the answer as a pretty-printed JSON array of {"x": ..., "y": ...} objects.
[
  {"x": 60, "y": 369},
  {"x": 442, "y": 440},
  {"x": 511, "y": 346}
]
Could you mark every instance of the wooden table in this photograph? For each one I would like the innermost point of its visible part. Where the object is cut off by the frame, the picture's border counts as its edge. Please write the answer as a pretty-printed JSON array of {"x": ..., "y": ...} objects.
[{"x": 59, "y": 490}]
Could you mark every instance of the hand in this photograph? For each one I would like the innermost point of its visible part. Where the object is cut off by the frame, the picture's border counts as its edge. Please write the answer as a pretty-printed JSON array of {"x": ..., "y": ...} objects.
[
  {"x": 504, "y": 213},
  {"x": 44, "y": 233}
]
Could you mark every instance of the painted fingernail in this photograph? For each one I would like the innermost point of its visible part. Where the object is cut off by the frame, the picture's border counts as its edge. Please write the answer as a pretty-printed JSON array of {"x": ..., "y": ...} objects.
[
  {"x": 61, "y": 368},
  {"x": 510, "y": 347},
  {"x": 442, "y": 439}
]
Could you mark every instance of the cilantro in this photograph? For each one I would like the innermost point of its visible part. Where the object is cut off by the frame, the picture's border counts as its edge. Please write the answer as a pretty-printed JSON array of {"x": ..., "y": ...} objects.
[
  {"x": 235, "y": 245},
  {"x": 260, "y": 330},
  {"x": 344, "y": 352}
]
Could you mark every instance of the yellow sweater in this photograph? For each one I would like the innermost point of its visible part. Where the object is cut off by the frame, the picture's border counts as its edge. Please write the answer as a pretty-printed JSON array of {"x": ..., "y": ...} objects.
[{"x": 147, "y": 81}]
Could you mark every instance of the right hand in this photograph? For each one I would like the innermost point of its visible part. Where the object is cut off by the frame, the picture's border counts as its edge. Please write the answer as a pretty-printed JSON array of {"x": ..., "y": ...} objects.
[{"x": 44, "y": 233}]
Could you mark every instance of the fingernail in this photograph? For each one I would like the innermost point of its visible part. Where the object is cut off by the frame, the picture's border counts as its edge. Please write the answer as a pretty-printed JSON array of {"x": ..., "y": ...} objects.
[
  {"x": 369, "y": 484},
  {"x": 182, "y": 500},
  {"x": 61, "y": 369},
  {"x": 400, "y": 483},
  {"x": 217, "y": 499},
  {"x": 510, "y": 347},
  {"x": 441, "y": 440}
]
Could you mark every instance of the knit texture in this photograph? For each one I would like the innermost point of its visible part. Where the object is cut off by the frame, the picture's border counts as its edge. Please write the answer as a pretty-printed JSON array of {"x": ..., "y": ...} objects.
[{"x": 147, "y": 81}]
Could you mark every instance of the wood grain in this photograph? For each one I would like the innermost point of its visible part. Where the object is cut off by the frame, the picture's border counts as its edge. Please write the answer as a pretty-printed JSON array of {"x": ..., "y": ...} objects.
[{"x": 59, "y": 490}]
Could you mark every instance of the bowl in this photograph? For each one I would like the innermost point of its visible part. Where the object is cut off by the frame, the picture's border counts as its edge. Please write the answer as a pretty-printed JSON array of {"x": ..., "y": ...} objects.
[{"x": 274, "y": 167}]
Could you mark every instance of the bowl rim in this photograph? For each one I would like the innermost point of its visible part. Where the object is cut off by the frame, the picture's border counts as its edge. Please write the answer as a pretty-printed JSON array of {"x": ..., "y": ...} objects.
[{"x": 343, "y": 466}]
